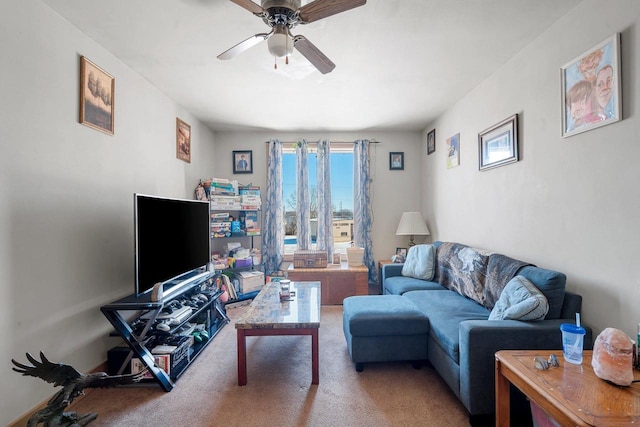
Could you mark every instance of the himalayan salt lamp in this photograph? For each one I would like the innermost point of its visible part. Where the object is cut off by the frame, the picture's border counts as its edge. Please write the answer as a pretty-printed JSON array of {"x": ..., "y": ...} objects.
[{"x": 612, "y": 358}]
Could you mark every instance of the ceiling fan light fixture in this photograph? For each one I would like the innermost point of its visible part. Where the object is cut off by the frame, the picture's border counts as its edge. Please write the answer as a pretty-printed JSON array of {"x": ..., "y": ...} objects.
[{"x": 280, "y": 43}]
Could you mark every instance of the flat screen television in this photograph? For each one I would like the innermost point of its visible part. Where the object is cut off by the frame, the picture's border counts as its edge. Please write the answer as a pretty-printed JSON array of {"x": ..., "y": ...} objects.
[{"x": 172, "y": 242}]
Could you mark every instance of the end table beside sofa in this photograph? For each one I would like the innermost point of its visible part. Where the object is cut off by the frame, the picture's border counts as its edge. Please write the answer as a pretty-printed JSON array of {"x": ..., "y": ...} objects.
[{"x": 449, "y": 327}]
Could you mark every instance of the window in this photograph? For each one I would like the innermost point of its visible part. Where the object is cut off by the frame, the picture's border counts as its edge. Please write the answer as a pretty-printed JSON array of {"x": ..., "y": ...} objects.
[{"x": 341, "y": 195}]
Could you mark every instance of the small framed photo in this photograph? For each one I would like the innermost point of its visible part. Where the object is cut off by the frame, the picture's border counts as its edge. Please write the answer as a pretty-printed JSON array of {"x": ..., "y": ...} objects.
[
  {"x": 431, "y": 142},
  {"x": 243, "y": 161},
  {"x": 183, "y": 141},
  {"x": 498, "y": 145},
  {"x": 396, "y": 160},
  {"x": 401, "y": 251},
  {"x": 591, "y": 88},
  {"x": 97, "y": 92}
]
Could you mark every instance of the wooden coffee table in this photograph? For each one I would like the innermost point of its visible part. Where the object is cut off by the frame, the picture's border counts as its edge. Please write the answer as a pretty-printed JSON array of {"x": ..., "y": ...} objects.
[
  {"x": 268, "y": 316},
  {"x": 570, "y": 394}
]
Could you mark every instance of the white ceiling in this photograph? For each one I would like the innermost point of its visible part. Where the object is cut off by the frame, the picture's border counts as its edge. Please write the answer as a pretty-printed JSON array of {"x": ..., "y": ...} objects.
[{"x": 399, "y": 63}]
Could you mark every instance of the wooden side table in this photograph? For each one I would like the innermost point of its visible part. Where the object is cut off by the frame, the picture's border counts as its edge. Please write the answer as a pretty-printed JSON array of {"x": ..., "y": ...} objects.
[
  {"x": 570, "y": 394},
  {"x": 381, "y": 264}
]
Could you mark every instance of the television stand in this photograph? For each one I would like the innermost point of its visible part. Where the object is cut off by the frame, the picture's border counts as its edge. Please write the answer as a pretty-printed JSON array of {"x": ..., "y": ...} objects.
[{"x": 141, "y": 334}]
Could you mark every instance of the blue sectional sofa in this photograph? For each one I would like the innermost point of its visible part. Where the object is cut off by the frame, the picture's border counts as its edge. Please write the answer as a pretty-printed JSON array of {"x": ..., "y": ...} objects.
[{"x": 461, "y": 341}]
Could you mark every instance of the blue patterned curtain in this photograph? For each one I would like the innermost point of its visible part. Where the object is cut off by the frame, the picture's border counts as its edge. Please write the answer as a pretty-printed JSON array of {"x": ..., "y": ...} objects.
[
  {"x": 363, "y": 218},
  {"x": 273, "y": 232},
  {"x": 303, "y": 213},
  {"x": 325, "y": 211}
]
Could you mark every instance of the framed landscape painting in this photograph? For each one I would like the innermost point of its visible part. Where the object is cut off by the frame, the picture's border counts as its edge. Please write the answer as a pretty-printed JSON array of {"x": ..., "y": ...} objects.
[
  {"x": 97, "y": 91},
  {"x": 498, "y": 145},
  {"x": 591, "y": 88}
]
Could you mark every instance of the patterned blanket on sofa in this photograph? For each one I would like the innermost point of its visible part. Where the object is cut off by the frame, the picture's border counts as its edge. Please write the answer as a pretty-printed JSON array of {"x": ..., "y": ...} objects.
[{"x": 475, "y": 273}]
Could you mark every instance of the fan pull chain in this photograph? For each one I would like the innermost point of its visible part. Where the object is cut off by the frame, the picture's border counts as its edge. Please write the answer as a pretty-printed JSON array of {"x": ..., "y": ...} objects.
[
  {"x": 286, "y": 58},
  {"x": 275, "y": 63}
]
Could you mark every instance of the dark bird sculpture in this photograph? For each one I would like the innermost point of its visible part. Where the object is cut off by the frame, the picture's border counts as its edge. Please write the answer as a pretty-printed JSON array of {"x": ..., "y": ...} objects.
[{"x": 73, "y": 383}]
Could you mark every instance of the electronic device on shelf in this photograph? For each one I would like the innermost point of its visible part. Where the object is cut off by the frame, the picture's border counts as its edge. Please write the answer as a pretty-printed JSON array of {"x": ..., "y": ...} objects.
[
  {"x": 179, "y": 314},
  {"x": 172, "y": 244}
]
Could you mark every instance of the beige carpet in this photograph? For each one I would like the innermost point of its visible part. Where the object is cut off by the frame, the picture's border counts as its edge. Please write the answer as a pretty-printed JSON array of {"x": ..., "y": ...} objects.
[{"x": 279, "y": 390}]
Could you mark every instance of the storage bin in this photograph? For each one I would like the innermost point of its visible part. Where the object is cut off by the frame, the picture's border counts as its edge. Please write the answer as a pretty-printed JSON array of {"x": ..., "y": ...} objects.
[
  {"x": 244, "y": 263},
  {"x": 309, "y": 259},
  {"x": 250, "y": 281},
  {"x": 354, "y": 256}
]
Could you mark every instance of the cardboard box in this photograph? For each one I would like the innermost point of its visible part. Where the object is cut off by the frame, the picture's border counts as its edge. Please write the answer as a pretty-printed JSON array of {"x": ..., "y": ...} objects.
[
  {"x": 220, "y": 229},
  {"x": 250, "y": 200},
  {"x": 250, "y": 191},
  {"x": 223, "y": 187},
  {"x": 162, "y": 360},
  {"x": 250, "y": 281},
  {"x": 249, "y": 220},
  {"x": 177, "y": 352},
  {"x": 225, "y": 202}
]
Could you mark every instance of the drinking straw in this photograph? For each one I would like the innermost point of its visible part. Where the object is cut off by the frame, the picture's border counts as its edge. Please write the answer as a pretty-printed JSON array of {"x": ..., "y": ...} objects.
[{"x": 578, "y": 320}]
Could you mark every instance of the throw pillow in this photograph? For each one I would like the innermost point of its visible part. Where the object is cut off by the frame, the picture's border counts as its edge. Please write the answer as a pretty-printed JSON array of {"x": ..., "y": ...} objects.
[
  {"x": 520, "y": 300},
  {"x": 420, "y": 262}
]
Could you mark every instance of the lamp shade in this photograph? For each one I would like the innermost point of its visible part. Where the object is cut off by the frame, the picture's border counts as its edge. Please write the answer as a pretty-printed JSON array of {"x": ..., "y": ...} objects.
[{"x": 412, "y": 224}]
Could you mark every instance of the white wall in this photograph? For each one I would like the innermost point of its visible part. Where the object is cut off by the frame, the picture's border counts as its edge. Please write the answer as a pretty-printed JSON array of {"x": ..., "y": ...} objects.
[
  {"x": 393, "y": 192},
  {"x": 570, "y": 204},
  {"x": 66, "y": 229}
]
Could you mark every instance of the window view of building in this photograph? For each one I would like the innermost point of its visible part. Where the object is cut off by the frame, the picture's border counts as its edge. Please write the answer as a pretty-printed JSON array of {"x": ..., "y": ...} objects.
[{"x": 341, "y": 195}]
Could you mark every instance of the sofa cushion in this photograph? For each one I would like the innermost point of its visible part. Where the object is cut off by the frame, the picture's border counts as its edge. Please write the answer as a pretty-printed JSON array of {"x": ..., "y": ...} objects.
[
  {"x": 500, "y": 270},
  {"x": 420, "y": 262},
  {"x": 445, "y": 311},
  {"x": 520, "y": 300},
  {"x": 551, "y": 284},
  {"x": 398, "y": 285}
]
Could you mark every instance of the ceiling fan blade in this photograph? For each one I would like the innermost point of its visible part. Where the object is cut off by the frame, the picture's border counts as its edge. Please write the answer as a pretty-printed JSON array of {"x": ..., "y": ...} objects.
[
  {"x": 243, "y": 45},
  {"x": 313, "y": 54},
  {"x": 250, "y": 6},
  {"x": 320, "y": 9}
]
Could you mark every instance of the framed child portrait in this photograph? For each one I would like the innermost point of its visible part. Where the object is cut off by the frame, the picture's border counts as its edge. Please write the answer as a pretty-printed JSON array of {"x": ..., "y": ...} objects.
[
  {"x": 396, "y": 161},
  {"x": 591, "y": 88},
  {"x": 243, "y": 161}
]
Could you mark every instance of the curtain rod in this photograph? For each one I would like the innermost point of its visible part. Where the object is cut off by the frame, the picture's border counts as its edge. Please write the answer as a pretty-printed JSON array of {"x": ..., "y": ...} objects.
[{"x": 373, "y": 141}]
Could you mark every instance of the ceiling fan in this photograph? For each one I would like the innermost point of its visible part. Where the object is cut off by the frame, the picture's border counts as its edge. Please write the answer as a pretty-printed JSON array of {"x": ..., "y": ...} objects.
[{"x": 284, "y": 15}]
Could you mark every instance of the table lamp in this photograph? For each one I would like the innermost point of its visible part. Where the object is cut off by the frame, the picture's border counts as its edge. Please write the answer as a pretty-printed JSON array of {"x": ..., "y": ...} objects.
[{"x": 412, "y": 224}]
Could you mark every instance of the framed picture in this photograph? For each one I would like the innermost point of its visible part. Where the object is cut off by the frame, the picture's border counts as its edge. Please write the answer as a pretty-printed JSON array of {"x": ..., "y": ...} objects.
[
  {"x": 243, "y": 161},
  {"x": 401, "y": 251},
  {"x": 396, "y": 160},
  {"x": 183, "y": 141},
  {"x": 591, "y": 88},
  {"x": 97, "y": 92},
  {"x": 498, "y": 145},
  {"x": 453, "y": 151},
  {"x": 431, "y": 142}
]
